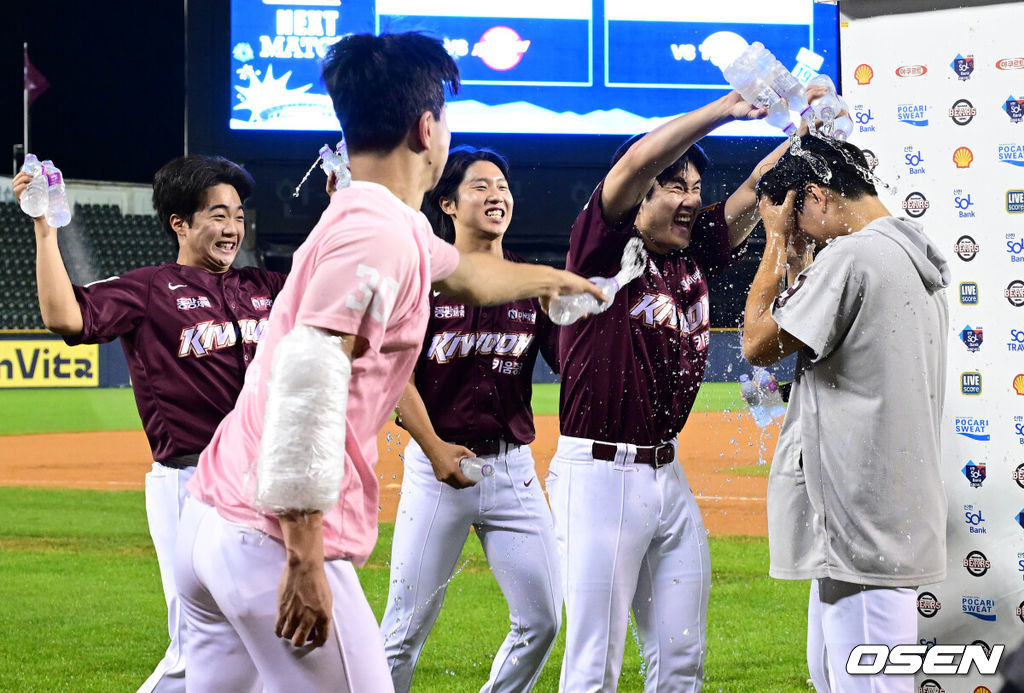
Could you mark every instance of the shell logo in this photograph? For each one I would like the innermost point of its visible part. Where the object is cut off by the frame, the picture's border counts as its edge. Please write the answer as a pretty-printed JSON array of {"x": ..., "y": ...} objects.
[
  {"x": 963, "y": 157},
  {"x": 1018, "y": 384},
  {"x": 863, "y": 74},
  {"x": 911, "y": 70},
  {"x": 982, "y": 689},
  {"x": 500, "y": 48}
]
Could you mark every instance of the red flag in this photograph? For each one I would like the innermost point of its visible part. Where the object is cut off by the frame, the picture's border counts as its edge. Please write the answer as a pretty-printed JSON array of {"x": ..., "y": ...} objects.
[{"x": 35, "y": 83}]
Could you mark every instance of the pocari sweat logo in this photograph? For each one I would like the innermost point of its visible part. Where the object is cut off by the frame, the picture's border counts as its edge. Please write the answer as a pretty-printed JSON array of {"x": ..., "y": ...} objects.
[
  {"x": 979, "y": 607},
  {"x": 1011, "y": 153},
  {"x": 913, "y": 114},
  {"x": 971, "y": 427}
]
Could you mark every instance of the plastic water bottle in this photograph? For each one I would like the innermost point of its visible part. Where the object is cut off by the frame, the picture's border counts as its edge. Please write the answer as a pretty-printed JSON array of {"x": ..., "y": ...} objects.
[
  {"x": 59, "y": 212},
  {"x": 336, "y": 161},
  {"x": 475, "y": 469},
  {"x": 34, "y": 199},
  {"x": 565, "y": 310},
  {"x": 752, "y": 74},
  {"x": 789, "y": 87},
  {"x": 752, "y": 396},
  {"x": 842, "y": 126},
  {"x": 771, "y": 397},
  {"x": 827, "y": 107}
]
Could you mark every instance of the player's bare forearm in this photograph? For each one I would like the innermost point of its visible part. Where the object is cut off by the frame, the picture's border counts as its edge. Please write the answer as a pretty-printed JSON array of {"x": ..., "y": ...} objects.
[
  {"x": 634, "y": 174},
  {"x": 57, "y": 303},
  {"x": 484, "y": 280},
  {"x": 764, "y": 342},
  {"x": 444, "y": 457},
  {"x": 304, "y": 597}
]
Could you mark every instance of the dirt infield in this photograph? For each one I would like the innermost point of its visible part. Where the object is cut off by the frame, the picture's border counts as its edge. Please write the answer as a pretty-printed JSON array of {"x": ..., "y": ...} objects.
[{"x": 712, "y": 446}]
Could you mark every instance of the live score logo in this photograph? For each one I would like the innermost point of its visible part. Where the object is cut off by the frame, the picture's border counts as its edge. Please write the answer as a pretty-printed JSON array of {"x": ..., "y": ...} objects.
[
  {"x": 970, "y": 383},
  {"x": 969, "y": 293}
]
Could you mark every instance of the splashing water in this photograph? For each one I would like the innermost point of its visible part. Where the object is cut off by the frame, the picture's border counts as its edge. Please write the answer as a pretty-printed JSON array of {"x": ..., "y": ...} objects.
[
  {"x": 425, "y": 602},
  {"x": 815, "y": 161},
  {"x": 639, "y": 646}
]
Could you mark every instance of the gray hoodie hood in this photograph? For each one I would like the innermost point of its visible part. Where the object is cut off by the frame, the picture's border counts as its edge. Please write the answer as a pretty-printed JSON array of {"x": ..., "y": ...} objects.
[{"x": 909, "y": 235}]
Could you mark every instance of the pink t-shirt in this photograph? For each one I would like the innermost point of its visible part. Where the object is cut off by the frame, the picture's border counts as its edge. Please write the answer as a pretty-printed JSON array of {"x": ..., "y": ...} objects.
[{"x": 365, "y": 269}]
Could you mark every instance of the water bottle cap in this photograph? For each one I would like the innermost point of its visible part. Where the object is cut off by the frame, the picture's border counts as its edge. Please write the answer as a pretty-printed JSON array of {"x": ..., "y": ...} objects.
[
  {"x": 486, "y": 469},
  {"x": 744, "y": 378},
  {"x": 31, "y": 157}
]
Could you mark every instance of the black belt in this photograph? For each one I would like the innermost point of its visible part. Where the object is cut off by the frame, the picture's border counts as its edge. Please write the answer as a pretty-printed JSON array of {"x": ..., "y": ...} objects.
[
  {"x": 653, "y": 455},
  {"x": 181, "y": 461},
  {"x": 489, "y": 446}
]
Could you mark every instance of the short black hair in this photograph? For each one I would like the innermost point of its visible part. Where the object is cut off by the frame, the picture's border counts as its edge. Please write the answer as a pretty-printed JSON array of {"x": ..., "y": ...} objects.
[
  {"x": 694, "y": 156},
  {"x": 459, "y": 160},
  {"x": 180, "y": 186},
  {"x": 836, "y": 167},
  {"x": 381, "y": 85}
]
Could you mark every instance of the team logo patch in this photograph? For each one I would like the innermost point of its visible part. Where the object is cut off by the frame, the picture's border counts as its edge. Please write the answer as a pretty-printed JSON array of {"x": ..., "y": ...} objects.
[
  {"x": 966, "y": 247},
  {"x": 971, "y": 337},
  {"x": 975, "y": 473},
  {"x": 871, "y": 159},
  {"x": 963, "y": 66},
  {"x": 974, "y": 520},
  {"x": 962, "y": 157},
  {"x": 1018, "y": 475},
  {"x": 928, "y": 604},
  {"x": 1014, "y": 108},
  {"x": 262, "y": 302},
  {"x": 911, "y": 70},
  {"x": 1014, "y": 293},
  {"x": 976, "y": 563},
  {"x": 518, "y": 315},
  {"x": 192, "y": 302},
  {"x": 969, "y": 293},
  {"x": 962, "y": 111},
  {"x": 1011, "y": 153},
  {"x": 448, "y": 312},
  {"x": 1015, "y": 201},
  {"x": 971, "y": 427},
  {"x": 915, "y": 114},
  {"x": 916, "y": 204},
  {"x": 970, "y": 383},
  {"x": 978, "y": 607}
]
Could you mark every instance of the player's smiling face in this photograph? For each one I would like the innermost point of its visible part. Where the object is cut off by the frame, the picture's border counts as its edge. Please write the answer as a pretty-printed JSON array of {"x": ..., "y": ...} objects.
[
  {"x": 212, "y": 239},
  {"x": 665, "y": 218},
  {"x": 484, "y": 204}
]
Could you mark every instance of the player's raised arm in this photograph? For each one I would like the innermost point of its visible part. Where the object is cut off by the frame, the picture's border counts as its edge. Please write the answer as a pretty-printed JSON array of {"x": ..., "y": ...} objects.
[
  {"x": 484, "y": 280},
  {"x": 57, "y": 304},
  {"x": 444, "y": 457},
  {"x": 632, "y": 176}
]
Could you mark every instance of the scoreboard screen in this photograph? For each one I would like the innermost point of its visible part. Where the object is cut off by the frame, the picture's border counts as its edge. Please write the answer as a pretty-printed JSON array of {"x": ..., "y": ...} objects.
[{"x": 593, "y": 67}]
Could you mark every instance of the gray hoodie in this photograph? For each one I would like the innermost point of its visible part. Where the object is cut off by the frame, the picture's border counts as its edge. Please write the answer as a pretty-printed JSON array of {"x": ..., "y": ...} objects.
[{"x": 855, "y": 492}]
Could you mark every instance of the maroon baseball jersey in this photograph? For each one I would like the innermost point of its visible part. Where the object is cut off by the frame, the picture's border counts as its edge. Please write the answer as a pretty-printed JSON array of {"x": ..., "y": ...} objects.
[
  {"x": 188, "y": 336},
  {"x": 475, "y": 373},
  {"x": 631, "y": 373}
]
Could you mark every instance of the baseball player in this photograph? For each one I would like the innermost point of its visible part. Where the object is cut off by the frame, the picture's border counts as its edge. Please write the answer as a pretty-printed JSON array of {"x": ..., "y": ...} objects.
[
  {"x": 628, "y": 529},
  {"x": 188, "y": 328},
  {"x": 470, "y": 396},
  {"x": 855, "y": 503},
  {"x": 284, "y": 502}
]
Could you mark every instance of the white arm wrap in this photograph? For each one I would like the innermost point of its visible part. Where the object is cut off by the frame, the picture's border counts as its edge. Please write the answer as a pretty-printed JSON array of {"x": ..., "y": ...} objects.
[{"x": 302, "y": 451}]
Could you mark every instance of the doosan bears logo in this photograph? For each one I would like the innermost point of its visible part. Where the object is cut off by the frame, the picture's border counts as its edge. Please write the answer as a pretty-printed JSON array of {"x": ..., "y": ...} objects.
[
  {"x": 928, "y": 604},
  {"x": 916, "y": 204},
  {"x": 930, "y": 686},
  {"x": 966, "y": 247},
  {"x": 962, "y": 112},
  {"x": 871, "y": 159},
  {"x": 1018, "y": 477},
  {"x": 1014, "y": 293},
  {"x": 976, "y": 563}
]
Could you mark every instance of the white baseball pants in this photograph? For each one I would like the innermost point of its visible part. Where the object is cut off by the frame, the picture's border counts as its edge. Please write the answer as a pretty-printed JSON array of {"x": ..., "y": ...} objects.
[
  {"x": 513, "y": 523},
  {"x": 165, "y": 495},
  {"x": 877, "y": 616},
  {"x": 629, "y": 535},
  {"x": 227, "y": 578}
]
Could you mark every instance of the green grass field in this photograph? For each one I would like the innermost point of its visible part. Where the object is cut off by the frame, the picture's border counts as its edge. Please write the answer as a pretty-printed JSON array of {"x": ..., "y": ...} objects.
[{"x": 81, "y": 608}]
